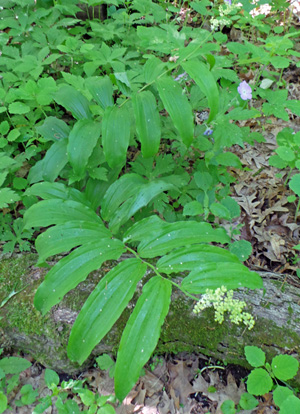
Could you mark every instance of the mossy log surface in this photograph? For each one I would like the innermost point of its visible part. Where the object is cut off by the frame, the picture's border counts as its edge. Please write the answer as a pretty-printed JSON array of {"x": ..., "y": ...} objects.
[{"x": 276, "y": 310}]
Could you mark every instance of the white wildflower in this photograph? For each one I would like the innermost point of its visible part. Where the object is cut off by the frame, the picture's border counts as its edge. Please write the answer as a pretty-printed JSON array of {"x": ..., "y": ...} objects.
[{"x": 222, "y": 301}]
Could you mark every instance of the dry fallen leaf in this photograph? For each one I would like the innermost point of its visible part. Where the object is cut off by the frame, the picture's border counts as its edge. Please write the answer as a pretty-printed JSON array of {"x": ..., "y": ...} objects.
[{"x": 223, "y": 392}]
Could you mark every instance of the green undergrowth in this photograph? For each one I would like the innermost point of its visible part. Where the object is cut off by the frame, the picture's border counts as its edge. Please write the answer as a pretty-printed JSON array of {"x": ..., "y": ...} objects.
[
  {"x": 200, "y": 334},
  {"x": 116, "y": 140}
]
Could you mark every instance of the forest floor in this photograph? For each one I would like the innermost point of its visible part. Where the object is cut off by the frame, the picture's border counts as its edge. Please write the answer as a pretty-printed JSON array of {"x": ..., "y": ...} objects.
[{"x": 183, "y": 383}]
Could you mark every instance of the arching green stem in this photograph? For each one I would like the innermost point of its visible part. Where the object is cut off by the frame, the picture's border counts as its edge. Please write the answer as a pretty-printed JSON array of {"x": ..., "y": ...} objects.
[{"x": 158, "y": 274}]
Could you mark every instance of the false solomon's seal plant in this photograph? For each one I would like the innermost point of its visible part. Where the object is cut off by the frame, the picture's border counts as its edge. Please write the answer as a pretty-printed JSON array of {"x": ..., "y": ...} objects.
[
  {"x": 180, "y": 246},
  {"x": 112, "y": 216}
]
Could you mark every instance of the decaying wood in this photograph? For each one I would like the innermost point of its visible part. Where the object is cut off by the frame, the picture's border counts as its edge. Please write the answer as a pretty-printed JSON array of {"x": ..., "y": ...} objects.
[{"x": 276, "y": 309}]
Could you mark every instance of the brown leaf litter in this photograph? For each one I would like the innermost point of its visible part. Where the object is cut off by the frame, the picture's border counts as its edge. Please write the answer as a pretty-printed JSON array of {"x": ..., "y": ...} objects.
[{"x": 174, "y": 386}]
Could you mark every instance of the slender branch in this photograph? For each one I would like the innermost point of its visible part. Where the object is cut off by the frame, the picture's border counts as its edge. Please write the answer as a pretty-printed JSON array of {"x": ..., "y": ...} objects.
[{"x": 158, "y": 274}]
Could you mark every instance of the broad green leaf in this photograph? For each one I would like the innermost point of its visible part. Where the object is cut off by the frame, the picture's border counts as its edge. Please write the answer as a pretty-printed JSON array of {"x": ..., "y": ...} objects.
[
  {"x": 242, "y": 249},
  {"x": 203, "y": 180},
  {"x": 56, "y": 211},
  {"x": 66, "y": 236},
  {"x": 46, "y": 87},
  {"x": 123, "y": 188},
  {"x": 217, "y": 209},
  {"x": 203, "y": 77},
  {"x": 115, "y": 134},
  {"x": 151, "y": 226},
  {"x": 194, "y": 208},
  {"x": 56, "y": 190},
  {"x": 42, "y": 407},
  {"x": 255, "y": 356},
  {"x": 276, "y": 161},
  {"x": 14, "y": 365},
  {"x": 142, "y": 197},
  {"x": 13, "y": 135},
  {"x": 154, "y": 38},
  {"x": 232, "y": 206},
  {"x": 54, "y": 129},
  {"x": 228, "y": 74},
  {"x": 259, "y": 382},
  {"x": 7, "y": 196},
  {"x": 141, "y": 334},
  {"x": 29, "y": 395},
  {"x": 294, "y": 184},
  {"x": 103, "y": 307},
  {"x": 290, "y": 405},
  {"x": 293, "y": 105},
  {"x": 87, "y": 396},
  {"x": 18, "y": 108},
  {"x": 73, "y": 269},
  {"x": 101, "y": 90},
  {"x": 96, "y": 189},
  {"x": 153, "y": 68},
  {"x": 50, "y": 166},
  {"x": 285, "y": 153},
  {"x": 180, "y": 234},
  {"x": 106, "y": 409},
  {"x": 228, "y": 407},
  {"x": 98, "y": 173},
  {"x": 214, "y": 275},
  {"x": 122, "y": 82},
  {"x": 228, "y": 159},
  {"x": 51, "y": 378},
  {"x": 280, "y": 394},
  {"x": 147, "y": 122},
  {"x": 73, "y": 101},
  {"x": 284, "y": 367},
  {"x": 248, "y": 401},
  {"x": 3, "y": 402},
  {"x": 3, "y": 176},
  {"x": 240, "y": 113},
  {"x": 190, "y": 258},
  {"x": 82, "y": 140},
  {"x": 227, "y": 134},
  {"x": 4, "y": 127},
  {"x": 201, "y": 8},
  {"x": 178, "y": 107},
  {"x": 69, "y": 406},
  {"x": 104, "y": 361}
]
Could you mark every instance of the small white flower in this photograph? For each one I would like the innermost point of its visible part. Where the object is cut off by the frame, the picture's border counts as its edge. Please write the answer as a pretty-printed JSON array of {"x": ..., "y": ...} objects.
[{"x": 222, "y": 301}]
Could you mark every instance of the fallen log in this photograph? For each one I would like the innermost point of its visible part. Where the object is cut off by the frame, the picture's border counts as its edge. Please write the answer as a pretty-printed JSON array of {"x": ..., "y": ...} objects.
[{"x": 276, "y": 309}]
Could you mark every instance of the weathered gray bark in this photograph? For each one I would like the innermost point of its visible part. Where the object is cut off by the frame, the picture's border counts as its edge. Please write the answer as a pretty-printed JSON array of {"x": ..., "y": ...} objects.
[{"x": 276, "y": 309}]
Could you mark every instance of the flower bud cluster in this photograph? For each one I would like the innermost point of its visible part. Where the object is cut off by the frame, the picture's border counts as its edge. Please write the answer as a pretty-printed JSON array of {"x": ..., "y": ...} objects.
[{"x": 222, "y": 301}]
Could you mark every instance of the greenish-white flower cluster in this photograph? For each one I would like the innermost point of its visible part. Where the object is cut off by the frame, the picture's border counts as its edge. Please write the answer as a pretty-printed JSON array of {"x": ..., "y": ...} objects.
[
  {"x": 216, "y": 23},
  {"x": 222, "y": 301},
  {"x": 224, "y": 10}
]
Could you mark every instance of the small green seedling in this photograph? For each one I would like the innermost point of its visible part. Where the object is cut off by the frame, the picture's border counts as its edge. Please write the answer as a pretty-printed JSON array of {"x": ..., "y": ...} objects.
[
  {"x": 10, "y": 369},
  {"x": 106, "y": 363},
  {"x": 266, "y": 377}
]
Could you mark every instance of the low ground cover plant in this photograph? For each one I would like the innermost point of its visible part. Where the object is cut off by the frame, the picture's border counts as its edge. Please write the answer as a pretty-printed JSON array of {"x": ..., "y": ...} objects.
[
  {"x": 265, "y": 377},
  {"x": 123, "y": 129},
  {"x": 57, "y": 395}
]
